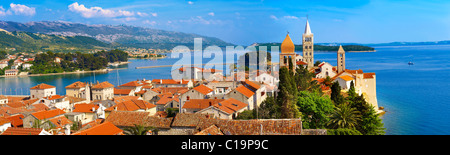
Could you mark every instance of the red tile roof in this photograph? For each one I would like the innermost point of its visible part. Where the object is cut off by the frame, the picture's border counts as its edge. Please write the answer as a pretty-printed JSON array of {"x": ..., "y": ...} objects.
[
  {"x": 369, "y": 75},
  {"x": 346, "y": 78},
  {"x": 129, "y": 118},
  {"x": 85, "y": 108},
  {"x": 122, "y": 91},
  {"x": 252, "y": 84},
  {"x": 54, "y": 97},
  {"x": 16, "y": 120},
  {"x": 47, "y": 114},
  {"x": 245, "y": 91},
  {"x": 168, "y": 81},
  {"x": 200, "y": 103},
  {"x": 76, "y": 85},
  {"x": 4, "y": 120},
  {"x": 60, "y": 121},
  {"x": 134, "y": 84},
  {"x": 231, "y": 105},
  {"x": 106, "y": 128},
  {"x": 42, "y": 86},
  {"x": 22, "y": 131},
  {"x": 131, "y": 105},
  {"x": 203, "y": 89},
  {"x": 166, "y": 98},
  {"x": 212, "y": 130},
  {"x": 102, "y": 85}
]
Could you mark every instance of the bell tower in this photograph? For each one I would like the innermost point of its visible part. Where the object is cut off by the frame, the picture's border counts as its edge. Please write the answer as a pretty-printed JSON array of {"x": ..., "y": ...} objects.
[
  {"x": 308, "y": 46},
  {"x": 287, "y": 55},
  {"x": 340, "y": 60}
]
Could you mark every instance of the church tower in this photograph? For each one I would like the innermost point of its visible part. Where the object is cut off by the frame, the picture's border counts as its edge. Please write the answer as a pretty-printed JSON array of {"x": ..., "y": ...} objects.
[
  {"x": 288, "y": 53},
  {"x": 308, "y": 46},
  {"x": 340, "y": 60}
]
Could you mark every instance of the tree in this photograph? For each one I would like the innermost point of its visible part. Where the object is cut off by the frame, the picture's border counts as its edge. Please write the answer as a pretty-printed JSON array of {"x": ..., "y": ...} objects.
[
  {"x": 315, "y": 109},
  {"x": 246, "y": 115},
  {"x": 269, "y": 109},
  {"x": 288, "y": 94},
  {"x": 344, "y": 116},
  {"x": 351, "y": 92},
  {"x": 139, "y": 130},
  {"x": 336, "y": 95}
]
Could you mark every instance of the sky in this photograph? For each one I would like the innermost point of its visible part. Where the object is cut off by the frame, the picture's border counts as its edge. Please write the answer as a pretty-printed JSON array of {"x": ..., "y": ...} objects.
[{"x": 261, "y": 21}]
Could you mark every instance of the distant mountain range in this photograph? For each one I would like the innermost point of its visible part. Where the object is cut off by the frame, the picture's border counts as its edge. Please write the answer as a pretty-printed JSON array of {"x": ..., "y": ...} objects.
[
  {"x": 130, "y": 36},
  {"x": 19, "y": 41}
]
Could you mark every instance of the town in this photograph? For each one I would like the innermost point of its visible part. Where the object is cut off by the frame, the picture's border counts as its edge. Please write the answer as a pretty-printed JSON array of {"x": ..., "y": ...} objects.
[{"x": 175, "y": 107}]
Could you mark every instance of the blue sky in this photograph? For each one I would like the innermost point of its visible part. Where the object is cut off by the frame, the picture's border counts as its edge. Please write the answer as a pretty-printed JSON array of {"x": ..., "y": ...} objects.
[{"x": 246, "y": 22}]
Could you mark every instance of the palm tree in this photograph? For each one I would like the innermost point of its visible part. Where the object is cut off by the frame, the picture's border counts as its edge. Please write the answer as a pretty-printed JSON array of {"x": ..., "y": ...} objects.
[
  {"x": 139, "y": 130},
  {"x": 344, "y": 117}
]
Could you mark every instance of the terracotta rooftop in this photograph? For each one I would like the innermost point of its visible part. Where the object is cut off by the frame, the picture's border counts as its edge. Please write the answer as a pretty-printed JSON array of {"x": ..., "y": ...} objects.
[
  {"x": 4, "y": 120},
  {"x": 253, "y": 127},
  {"x": 47, "y": 114},
  {"x": 128, "y": 119},
  {"x": 54, "y": 97},
  {"x": 122, "y": 91},
  {"x": 245, "y": 91},
  {"x": 188, "y": 120},
  {"x": 166, "y": 98},
  {"x": 134, "y": 84},
  {"x": 203, "y": 89},
  {"x": 102, "y": 85},
  {"x": 230, "y": 105},
  {"x": 42, "y": 86},
  {"x": 346, "y": 78},
  {"x": 200, "y": 103},
  {"x": 76, "y": 85},
  {"x": 60, "y": 121},
  {"x": 252, "y": 84},
  {"x": 106, "y": 128},
  {"x": 22, "y": 131},
  {"x": 168, "y": 81},
  {"x": 369, "y": 75},
  {"x": 85, "y": 108},
  {"x": 16, "y": 120},
  {"x": 131, "y": 105},
  {"x": 212, "y": 130}
]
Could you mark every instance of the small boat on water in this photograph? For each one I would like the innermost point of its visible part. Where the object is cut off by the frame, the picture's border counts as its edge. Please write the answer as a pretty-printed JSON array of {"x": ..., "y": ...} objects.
[{"x": 410, "y": 63}]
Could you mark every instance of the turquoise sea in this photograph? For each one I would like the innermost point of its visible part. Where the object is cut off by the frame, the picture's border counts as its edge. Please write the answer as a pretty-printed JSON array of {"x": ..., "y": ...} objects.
[{"x": 416, "y": 98}]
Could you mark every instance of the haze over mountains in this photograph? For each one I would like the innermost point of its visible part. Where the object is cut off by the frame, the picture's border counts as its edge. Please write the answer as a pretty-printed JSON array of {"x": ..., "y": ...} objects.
[{"x": 122, "y": 34}]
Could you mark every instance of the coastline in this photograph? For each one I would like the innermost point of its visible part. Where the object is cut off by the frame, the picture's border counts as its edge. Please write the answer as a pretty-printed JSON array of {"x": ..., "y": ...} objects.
[{"x": 76, "y": 72}]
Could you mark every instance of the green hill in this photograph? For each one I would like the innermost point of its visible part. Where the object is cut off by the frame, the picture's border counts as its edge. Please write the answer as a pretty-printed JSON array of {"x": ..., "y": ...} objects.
[{"x": 17, "y": 41}]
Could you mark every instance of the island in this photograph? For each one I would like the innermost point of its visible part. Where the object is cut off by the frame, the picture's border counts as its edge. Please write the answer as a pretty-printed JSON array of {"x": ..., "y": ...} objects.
[
  {"x": 50, "y": 63},
  {"x": 348, "y": 48}
]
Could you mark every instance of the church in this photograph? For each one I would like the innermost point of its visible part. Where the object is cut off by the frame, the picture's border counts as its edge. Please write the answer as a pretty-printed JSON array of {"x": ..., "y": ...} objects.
[{"x": 365, "y": 83}]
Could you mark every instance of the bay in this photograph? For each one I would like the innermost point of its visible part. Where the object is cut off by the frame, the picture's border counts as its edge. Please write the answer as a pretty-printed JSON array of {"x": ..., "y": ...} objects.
[{"x": 415, "y": 97}]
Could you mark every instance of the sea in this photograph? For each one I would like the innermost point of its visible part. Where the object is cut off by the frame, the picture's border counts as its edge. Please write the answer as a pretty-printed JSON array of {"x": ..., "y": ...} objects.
[{"x": 416, "y": 97}]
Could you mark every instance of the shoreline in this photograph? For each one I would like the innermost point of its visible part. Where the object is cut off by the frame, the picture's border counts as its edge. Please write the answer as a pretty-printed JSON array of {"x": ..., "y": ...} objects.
[{"x": 76, "y": 72}]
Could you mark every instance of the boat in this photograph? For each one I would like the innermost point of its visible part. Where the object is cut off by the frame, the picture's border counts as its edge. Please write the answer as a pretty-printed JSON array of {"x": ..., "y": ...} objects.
[{"x": 410, "y": 63}]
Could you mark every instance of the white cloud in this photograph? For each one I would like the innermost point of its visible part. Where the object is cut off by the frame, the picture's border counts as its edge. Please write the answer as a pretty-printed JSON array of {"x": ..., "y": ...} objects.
[
  {"x": 3, "y": 12},
  {"x": 190, "y": 2},
  {"x": 290, "y": 17},
  {"x": 154, "y": 14},
  {"x": 211, "y": 13},
  {"x": 141, "y": 14},
  {"x": 148, "y": 22},
  {"x": 98, "y": 11},
  {"x": 201, "y": 20},
  {"x": 20, "y": 9},
  {"x": 273, "y": 17}
]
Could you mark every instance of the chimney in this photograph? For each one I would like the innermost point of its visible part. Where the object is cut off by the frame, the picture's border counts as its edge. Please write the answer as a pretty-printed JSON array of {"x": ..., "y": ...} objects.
[
  {"x": 210, "y": 104},
  {"x": 93, "y": 109},
  {"x": 160, "y": 81},
  {"x": 67, "y": 131}
]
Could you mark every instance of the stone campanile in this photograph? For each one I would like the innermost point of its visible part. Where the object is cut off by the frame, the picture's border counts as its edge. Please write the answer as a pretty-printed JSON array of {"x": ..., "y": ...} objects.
[
  {"x": 308, "y": 46},
  {"x": 340, "y": 60}
]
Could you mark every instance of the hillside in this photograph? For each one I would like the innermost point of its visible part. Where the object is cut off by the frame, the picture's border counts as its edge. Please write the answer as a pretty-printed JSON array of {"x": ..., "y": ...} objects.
[
  {"x": 125, "y": 35},
  {"x": 36, "y": 42}
]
